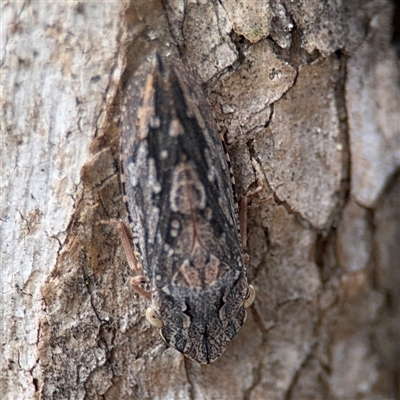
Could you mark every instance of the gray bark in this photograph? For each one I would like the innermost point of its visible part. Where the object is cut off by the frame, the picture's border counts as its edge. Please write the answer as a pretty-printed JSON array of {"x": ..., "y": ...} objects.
[{"x": 307, "y": 96}]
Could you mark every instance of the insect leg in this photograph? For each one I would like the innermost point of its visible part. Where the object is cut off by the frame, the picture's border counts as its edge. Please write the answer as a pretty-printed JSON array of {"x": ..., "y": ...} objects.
[
  {"x": 137, "y": 281},
  {"x": 244, "y": 200}
]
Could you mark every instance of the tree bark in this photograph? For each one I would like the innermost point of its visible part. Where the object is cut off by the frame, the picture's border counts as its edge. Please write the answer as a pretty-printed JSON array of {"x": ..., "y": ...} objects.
[{"x": 307, "y": 97}]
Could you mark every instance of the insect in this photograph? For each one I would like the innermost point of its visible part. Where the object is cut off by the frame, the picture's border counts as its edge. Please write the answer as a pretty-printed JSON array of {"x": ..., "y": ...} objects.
[{"x": 182, "y": 210}]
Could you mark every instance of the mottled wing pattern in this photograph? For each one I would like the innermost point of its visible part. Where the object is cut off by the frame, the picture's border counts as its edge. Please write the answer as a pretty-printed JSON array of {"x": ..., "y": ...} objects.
[{"x": 179, "y": 197}]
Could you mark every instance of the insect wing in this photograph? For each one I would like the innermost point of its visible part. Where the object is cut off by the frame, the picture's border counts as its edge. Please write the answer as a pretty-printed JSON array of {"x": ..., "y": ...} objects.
[{"x": 180, "y": 200}]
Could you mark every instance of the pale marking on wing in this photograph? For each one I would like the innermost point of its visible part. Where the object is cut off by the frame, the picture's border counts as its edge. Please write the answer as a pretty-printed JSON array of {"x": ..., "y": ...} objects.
[
  {"x": 175, "y": 128},
  {"x": 187, "y": 191},
  {"x": 146, "y": 112}
]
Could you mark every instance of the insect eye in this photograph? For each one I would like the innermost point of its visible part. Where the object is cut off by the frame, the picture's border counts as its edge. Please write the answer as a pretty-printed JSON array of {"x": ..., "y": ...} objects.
[
  {"x": 153, "y": 319},
  {"x": 252, "y": 294}
]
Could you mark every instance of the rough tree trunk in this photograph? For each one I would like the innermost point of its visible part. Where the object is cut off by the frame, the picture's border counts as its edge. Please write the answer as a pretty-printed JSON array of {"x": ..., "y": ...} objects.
[{"x": 307, "y": 96}]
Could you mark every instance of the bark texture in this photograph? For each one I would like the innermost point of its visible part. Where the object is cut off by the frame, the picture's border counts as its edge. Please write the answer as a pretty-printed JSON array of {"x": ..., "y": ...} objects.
[{"x": 307, "y": 96}]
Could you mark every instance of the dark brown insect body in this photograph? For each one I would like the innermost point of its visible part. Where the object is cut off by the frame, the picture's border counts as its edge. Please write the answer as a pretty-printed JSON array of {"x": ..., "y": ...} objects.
[{"x": 180, "y": 200}]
